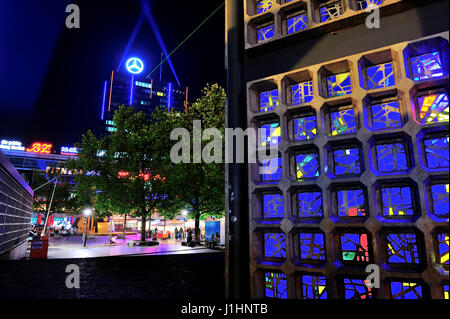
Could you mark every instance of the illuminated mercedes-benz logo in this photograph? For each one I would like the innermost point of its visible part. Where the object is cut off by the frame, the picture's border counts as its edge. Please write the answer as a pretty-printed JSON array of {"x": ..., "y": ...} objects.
[{"x": 135, "y": 65}]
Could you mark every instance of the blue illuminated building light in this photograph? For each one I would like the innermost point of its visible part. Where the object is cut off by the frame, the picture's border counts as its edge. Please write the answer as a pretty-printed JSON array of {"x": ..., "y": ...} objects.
[
  {"x": 102, "y": 117},
  {"x": 131, "y": 91},
  {"x": 169, "y": 96}
]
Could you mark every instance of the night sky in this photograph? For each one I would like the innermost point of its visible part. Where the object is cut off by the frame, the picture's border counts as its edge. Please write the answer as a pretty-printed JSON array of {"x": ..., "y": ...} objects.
[{"x": 51, "y": 79}]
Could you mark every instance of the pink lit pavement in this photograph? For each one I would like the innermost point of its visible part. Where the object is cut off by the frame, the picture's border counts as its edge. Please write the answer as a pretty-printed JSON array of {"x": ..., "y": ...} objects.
[{"x": 72, "y": 247}]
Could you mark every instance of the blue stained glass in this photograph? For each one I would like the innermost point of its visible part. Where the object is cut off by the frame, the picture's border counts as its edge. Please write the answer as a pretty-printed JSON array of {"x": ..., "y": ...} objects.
[
  {"x": 363, "y": 4},
  {"x": 443, "y": 243},
  {"x": 351, "y": 203},
  {"x": 302, "y": 93},
  {"x": 305, "y": 128},
  {"x": 391, "y": 157},
  {"x": 263, "y": 6},
  {"x": 331, "y": 11},
  {"x": 355, "y": 247},
  {"x": 380, "y": 76},
  {"x": 347, "y": 161},
  {"x": 440, "y": 197},
  {"x": 307, "y": 166},
  {"x": 339, "y": 84},
  {"x": 312, "y": 246},
  {"x": 436, "y": 150},
  {"x": 310, "y": 205},
  {"x": 297, "y": 23},
  {"x": 313, "y": 287},
  {"x": 343, "y": 122},
  {"x": 274, "y": 245},
  {"x": 445, "y": 289},
  {"x": 268, "y": 100},
  {"x": 405, "y": 290},
  {"x": 397, "y": 201},
  {"x": 270, "y": 134},
  {"x": 426, "y": 66},
  {"x": 273, "y": 206},
  {"x": 265, "y": 33},
  {"x": 402, "y": 248},
  {"x": 276, "y": 285},
  {"x": 386, "y": 115},
  {"x": 271, "y": 169},
  {"x": 433, "y": 108},
  {"x": 356, "y": 289}
]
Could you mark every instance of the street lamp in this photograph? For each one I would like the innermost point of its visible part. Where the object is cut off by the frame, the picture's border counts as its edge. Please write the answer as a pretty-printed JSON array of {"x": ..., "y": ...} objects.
[{"x": 86, "y": 212}]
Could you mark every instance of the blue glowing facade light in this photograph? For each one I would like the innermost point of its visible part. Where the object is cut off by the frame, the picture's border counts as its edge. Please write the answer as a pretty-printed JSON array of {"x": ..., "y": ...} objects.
[
  {"x": 169, "y": 96},
  {"x": 135, "y": 65},
  {"x": 131, "y": 91},
  {"x": 102, "y": 116}
]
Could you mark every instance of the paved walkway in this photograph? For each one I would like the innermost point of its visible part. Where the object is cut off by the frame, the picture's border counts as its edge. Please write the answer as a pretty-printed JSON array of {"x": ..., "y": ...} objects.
[{"x": 72, "y": 247}]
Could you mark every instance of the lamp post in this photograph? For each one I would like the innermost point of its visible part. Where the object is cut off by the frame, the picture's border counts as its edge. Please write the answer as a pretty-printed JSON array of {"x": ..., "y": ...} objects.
[{"x": 87, "y": 212}]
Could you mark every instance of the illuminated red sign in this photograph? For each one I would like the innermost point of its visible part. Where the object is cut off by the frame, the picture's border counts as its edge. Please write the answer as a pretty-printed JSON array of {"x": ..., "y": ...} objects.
[
  {"x": 145, "y": 176},
  {"x": 38, "y": 147}
]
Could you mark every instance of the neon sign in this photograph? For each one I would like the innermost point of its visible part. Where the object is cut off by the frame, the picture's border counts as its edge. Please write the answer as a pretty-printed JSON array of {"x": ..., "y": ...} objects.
[
  {"x": 42, "y": 148},
  {"x": 71, "y": 151},
  {"x": 135, "y": 65},
  {"x": 11, "y": 145}
]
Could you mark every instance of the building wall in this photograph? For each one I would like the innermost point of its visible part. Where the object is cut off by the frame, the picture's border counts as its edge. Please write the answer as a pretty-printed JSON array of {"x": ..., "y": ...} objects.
[{"x": 16, "y": 200}]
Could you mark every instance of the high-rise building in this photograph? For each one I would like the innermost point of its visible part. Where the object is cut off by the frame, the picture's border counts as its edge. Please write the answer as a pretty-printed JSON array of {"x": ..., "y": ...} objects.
[
  {"x": 129, "y": 87},
  {"x": 355, "y": 101}
]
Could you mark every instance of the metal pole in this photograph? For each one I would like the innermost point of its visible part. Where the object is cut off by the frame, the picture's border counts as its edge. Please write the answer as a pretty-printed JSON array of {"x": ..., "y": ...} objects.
[{"x": 50, "y": 206}]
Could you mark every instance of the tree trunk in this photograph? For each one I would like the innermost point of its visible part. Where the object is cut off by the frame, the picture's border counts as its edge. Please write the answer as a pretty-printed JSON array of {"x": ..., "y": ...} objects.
[
  {"x": 197, "y": 218},
  {"x": 143, "y": 226},
  {"x": 125, "y": 227}
]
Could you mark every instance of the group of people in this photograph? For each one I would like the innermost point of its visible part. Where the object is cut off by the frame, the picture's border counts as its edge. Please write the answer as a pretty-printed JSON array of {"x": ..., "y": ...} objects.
[{"x": 179, "y": 233}]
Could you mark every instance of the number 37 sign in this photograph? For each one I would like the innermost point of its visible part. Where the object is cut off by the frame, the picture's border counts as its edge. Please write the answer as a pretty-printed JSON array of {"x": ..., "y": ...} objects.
[{"x": 38, "y": 147}]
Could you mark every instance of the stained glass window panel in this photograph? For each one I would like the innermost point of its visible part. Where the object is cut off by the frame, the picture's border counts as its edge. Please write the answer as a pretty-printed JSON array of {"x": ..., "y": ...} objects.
[
  {"x": 347, "y": 161},
  {"x": 386, "y": 115},
  {"x": 351, "y": 203},
  {"x": 313, "y": 287},
  {"x": 426, "y": 66},
  {"x": 307, "y": 166},
  {"x": 443, "y": 242},
  {"x": 263, "y": 6},
  {"x": 276, "y": 285},
  {"x": 433, "y": 108},
  {"x": 343, "y": 122},
  {"x": 380, "y": 76},
  {"x": 436, "y": 151},
  {"x": 270, "y": 134},
  {"x": 271, "y": 169},
  {"x": 265, "y": 33},
  {"x": 305, "y": 128},
  {"x": 356, "y": 289},
  {"x": 331, "y": 11},
  {"x": 445, "y": 288},
  {"x": 402, "y": 248},
  {"x": 406, "y": 290},
  {"x": 440, "y": 197},
  {"x": 391, "y": 157},
  {"x": 268, "y": 100},
  {"x": 297, "y": 23},
  {"x": 363, "y": 4},
  {"x": 354, "y": 248},
  {"x": 339, "y": 84},
  {"x": 310, "y": 205},
  {"x": 273, "y": 206},
  {"x": 302, "y": 92},
  {"x": 274, "y": 245},
  {"x": 397, "y": 201},
  {"x": 312, "y": 246}
]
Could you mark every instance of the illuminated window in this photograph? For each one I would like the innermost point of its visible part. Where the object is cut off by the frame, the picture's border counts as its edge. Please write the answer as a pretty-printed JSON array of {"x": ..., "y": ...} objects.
[
  {"x": 442, "y": 258},
  {"x": 356, "y": 289},
  {"x": 347, "y": 161},
  {"x": 343, "y": 122},
  {"x": 307, "y": 166},
  {"x": 380, "y": 76},
  {"x": 445, "y": 289},
  {"x": 440, "y": 202},
  {"x": 402, "y": 248},
  {"x": 273, "y": 206},
  {"x": 312, "y": 246},
  {"x": 397, "y": 201},
  {"x": 436, "y": 150},
  {"x": 354, "y": 248},
  {"x": 363, "y": 4},
  {"x": 331, "y": 11},
  {"x": 406, "y": 290},
  {"x": 339, "y": 84},
  {"x": 268, "y": 100},
  {"x": 274, "y": 245},
  {"x": 386, "y": 115},
  {"x": 351, "y": 203},
  {"x": 302, "y": 93},
  {"x": 276, "y": 285},
  {"x": 297, "y": 23},
  {"x": 265, "y": 33},
  {"x": 305, "y": 128},
  {"x": 270, "y": 134},
  {"x": 313, "y": 287},
  {"x": 433, "y": 108},
  {"x": 271, "y": 170},
  {"x": 263, "y": 6},
  {"x": 426, "y": 66},
  {"x": 391, "y": 157},
  {"x": 310, "y": 204}
]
